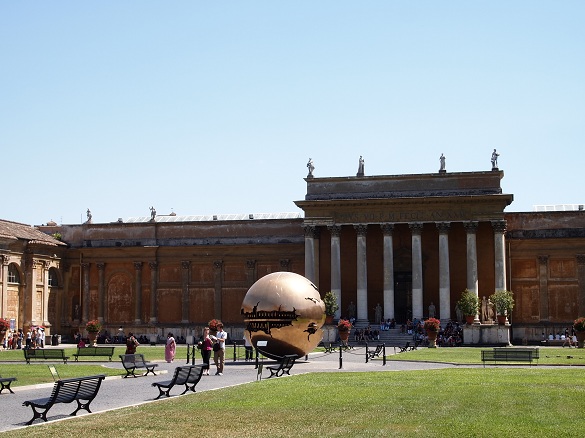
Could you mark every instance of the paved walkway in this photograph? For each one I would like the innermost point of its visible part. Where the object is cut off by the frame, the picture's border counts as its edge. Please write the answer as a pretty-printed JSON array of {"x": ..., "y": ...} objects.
[{"x": 117, "y": 392}]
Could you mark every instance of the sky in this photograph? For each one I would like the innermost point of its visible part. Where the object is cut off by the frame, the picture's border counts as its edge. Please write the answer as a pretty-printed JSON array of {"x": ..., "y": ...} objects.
[{"x": 200, "y": 108}]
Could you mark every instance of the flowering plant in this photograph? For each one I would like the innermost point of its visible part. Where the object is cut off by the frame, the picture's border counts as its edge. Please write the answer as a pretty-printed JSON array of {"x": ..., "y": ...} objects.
[
  {"x": 4, "y": 324},
  {"x": 93, "y": 326},
  {"x": 213, "y": 324},
  {"x": 579, "y": 324},
  {"x": 343, "y": 325},
  {"x": 432, "y": 325}
]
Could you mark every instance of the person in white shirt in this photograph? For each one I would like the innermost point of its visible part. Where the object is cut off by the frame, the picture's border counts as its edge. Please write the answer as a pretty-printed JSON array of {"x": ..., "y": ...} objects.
[{"x": 219, "y": 355}]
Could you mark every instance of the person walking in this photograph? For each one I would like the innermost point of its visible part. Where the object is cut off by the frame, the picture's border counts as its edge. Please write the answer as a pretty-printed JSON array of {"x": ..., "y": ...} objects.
[
  {"x": 170, "y": 348},
  {"x": 206, "y": 346},
  {"x": 219, "y": 351}
]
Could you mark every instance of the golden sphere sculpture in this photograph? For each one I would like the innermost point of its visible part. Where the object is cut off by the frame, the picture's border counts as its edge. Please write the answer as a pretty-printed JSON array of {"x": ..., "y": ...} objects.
[{"x": 283, "y": 311}]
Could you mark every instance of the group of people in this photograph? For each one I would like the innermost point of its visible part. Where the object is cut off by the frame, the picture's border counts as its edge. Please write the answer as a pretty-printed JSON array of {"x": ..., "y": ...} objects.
[
  {"x": 34, "y": 338},
  {"x": 569, "y": 338},
  {"x": 213, "y": 343}
]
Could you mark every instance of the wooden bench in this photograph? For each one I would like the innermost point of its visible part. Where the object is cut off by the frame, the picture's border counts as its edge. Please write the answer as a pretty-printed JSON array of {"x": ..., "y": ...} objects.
[
  {"x": 507, "y": 355},
  {"x": 188, "y": 375},
  {"x": 45, "y": 354},
  {"x": 132, "y": 362},
  {"x": 284, "y": 366},
  {"x": 80, "y": 389},
  {"x": 375, "y": 353},
  {"x": 535, "y": 351},
  {"x": 6, "y": 382},
  {"x": 94, "y": 351}
]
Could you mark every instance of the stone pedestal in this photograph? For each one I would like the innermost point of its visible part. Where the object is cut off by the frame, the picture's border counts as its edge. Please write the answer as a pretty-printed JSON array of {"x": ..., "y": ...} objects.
[{"x": 486, "y": 334}]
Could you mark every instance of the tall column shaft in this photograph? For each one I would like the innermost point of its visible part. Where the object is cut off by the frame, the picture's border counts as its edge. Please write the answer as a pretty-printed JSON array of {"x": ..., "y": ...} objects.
[
  {"x": 153, "y": 291},
  {"x": 45, "y": 309},
  {"x": 185, "y": 265},
  {"x": 335, "y": 231},
  {"x": 581, "y": 277},
  {"x": 444, "y": 273},
  {"x": 472, "y": 280},
  {"x": 543, "y": 286},
  {"x": 388, "y": 294},
  {"x": 138, "y": 302},
  {"x": 417, "y": 271},
  {"x": 4, "y": 309},
  {"x": 500, "y": 254},
  {"x": 362, "y": 274},
  {"x": 101, "y": 291},
  {"x": 85, "y": 294},
  {"x": 311, "y": 255}
]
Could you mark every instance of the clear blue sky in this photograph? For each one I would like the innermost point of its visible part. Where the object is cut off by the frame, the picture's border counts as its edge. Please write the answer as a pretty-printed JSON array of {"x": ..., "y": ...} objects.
[{"x": 215, "y": 107}]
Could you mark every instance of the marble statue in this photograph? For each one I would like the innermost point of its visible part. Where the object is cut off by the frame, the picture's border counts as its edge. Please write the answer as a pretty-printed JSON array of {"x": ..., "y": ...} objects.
[
  {"x": 311, "y": 167},
  {"x": 495, "y": 156}
]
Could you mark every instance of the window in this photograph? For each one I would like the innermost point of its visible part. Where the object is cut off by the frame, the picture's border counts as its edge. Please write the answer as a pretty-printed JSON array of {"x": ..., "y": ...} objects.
[
  {"x": 53, "y": 278},
  {"x": 13, "y": 275}
]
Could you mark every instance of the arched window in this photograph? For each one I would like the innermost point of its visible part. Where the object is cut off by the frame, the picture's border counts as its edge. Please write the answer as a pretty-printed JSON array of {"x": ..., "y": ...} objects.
[
  {"x": 13, "y": 275},
  {"x": 53, "y": 278}
]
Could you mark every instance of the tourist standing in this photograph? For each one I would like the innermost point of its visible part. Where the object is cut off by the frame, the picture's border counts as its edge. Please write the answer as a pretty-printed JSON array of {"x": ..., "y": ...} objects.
[
  {"x": 206, "y": 345},
  {"x": 131, "y": 344},
  {"x": 170, "y": 348},
  {"x": 219, "y": 351}
]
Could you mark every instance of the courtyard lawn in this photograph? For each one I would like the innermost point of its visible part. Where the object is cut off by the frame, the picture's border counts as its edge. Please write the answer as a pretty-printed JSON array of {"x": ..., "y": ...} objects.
[{"x": 463, "y": 402}]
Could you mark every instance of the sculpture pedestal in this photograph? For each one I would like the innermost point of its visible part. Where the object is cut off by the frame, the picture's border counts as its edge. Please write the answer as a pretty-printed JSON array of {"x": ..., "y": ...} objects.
[{"x": 486, "y": 334}]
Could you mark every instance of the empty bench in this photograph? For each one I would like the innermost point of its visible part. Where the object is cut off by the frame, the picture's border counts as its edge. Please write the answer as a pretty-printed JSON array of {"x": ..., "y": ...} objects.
[
  {"x": 370, "y": 354},
  {"x": 407, "y": 347},
  {"x": 45, "y": 354},
  {"x": 284, "y": 366},
  {"x": 94, "y": 351},
  {"x": 188, "y": 375},
  {"x": 80, "y": 389},
  {"x": 6, "y": 382},
  {"x": 133, "y": 362},
  {"x": 505, "y": 355}
]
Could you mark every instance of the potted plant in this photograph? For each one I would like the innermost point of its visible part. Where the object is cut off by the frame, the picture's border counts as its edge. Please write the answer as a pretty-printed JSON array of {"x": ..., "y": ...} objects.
[
  {"x": 4, "y": 324},
  {"x": 331, "y": 306},
  {"x": 579, "y": 327},
  {"x": 503, "y": 301},
  {"x": 432, "y": 326},
  {"x": 343, "y": 327},
  {"x": 93, "y": 326},
  {"x": 469, "y": 305}
]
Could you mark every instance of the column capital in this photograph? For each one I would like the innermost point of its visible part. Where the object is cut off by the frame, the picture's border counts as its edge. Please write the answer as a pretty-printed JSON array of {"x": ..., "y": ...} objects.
[
  {"x": 471, "y": 226},
  {"x": 542, "y": 259},
  {"x": 84, "y": 265},
  {"x": 387, "y": 228},
  {"x": 361, "y": 229},
  {"x": 415, "y": 227},
  {"x": 443, "y": 227},
  {"x": 580, "y": 259},
  {"x": 285, "y": 264},
  {"x": 101, "y": 266},
  {"x": 153, "y": 266},
  {"x": 5, "y": 260},
  {"x": 499, "y": 226},
  {"x": 185, "y": 264},
  {"x": 138, "y": 266},
  {"x": 311, "y": 231},
  {"x": 250, "y": 264},
  {"x": 335, "y": 230},
  {"x": 218, "y": 264}
]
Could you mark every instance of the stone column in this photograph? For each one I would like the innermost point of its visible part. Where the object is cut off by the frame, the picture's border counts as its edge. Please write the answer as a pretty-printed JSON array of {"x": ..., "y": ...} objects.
[
  {"x": 85, "y": 293},
  {"x": 312, "y": 254},
  {"x": 417, "y": 270},
  {"x": 500, "y": 254},
  {"x": 389, "y": 305},
  {"x": 362, "y": 275},
  {"x": 185, "y": 265},
  {"x": 581, "y": 279},
  {"x": 153, "y": 292},
  {"x": 472, "y": 283},
  {"x": 250, "y": 272},
  {"x": 335, "y": 231},
  {"x": 45, "y": 308},
  {"x": 138, "y": 301},
  {"x": 66, "y": 310},
  {"x": 543, "y": 286},
  {"x": 444, "y": 272},
  {"x": 5, "y": 262},
  {"x": 101, "y": 291},
  {"x": 285, "y": 265},
  {"x": 218, "y": 280}
]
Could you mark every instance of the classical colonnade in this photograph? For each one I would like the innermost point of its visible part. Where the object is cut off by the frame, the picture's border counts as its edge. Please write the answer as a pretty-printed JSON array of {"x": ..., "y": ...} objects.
[{"x": 312, "y": 264}]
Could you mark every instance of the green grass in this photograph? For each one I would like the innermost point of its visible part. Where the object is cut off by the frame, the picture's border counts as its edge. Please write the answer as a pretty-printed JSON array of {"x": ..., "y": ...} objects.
[{"x": 462, "y": 402}]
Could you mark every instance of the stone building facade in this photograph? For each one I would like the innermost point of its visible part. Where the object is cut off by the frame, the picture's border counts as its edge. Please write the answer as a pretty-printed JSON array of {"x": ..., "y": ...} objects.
[{"x": 406, "y": 242}]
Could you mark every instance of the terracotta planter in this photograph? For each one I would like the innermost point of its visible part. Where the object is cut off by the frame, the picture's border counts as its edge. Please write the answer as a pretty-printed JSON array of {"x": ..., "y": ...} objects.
[
  {"x": 344, "y": 335},
  {"x": 580, "y": 339},
  {"x": 469, "y": 319},
  {"x": 432, "y": 339},
  {"x": 501, "y": 319},
  {"x": 329, "y": 319},
  {"x": 92, "y": 338}
]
